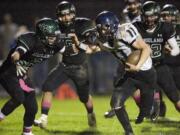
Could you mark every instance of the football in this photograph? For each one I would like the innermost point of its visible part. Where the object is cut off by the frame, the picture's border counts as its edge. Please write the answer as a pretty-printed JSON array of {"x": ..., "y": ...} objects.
[{"x": 134, "y": 57}]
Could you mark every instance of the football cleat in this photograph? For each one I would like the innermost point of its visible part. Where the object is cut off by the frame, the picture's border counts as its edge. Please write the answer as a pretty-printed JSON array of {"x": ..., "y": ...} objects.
[
  {"x": 140, "y": 118},
  {"x": 91, "y": 120},
  {"x": 154, "y": 114},
  {"x": 109, "y": 114},
  {"x": 41, "y": 122}
]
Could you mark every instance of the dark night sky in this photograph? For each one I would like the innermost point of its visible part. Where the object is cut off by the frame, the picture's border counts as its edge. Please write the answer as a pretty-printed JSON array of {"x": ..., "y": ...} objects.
[{"x": 24, "y": 11}]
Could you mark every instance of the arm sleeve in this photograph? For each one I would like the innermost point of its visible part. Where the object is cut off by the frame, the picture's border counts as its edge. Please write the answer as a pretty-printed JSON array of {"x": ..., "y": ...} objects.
[{"x": 173, "y": 43}]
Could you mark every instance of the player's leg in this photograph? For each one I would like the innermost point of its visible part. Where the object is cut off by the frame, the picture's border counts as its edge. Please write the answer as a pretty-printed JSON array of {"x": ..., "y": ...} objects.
[
  {"x": 166, "y": 82},
  {"x": 86, "y": 99},
  {"x": 11, "y": 85},
  {"x": 176, "y": 76},
  {"x": 146, "y": 82},
  {"x": 118, "y": 80},
  {"x": 120, "y": 94},
  {"x": 80, "y": 77},
  {"x": 54, "y": 79},
  {"x": 30, "y": 105}
]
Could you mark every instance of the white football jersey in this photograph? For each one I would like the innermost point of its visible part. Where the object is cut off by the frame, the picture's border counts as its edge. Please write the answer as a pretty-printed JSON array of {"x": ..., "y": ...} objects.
[{"x": 125, "y": 36}]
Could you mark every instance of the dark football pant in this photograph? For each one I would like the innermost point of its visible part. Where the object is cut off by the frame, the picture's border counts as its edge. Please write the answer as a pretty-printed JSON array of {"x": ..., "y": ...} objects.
[
  {"x": 174, "y": 64},
  {"x": 77, "y": 73},
  {"x": 20, "y": 93},
  {"x": 166, "y": 82},
  {"x": 176, "y": 75},
  {"x": 143, "y": 80}
]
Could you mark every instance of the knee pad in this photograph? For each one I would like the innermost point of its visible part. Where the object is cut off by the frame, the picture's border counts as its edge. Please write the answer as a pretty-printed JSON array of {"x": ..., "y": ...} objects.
[
  {"x": 116, "y": 101},
  {"x": 32, "y": 109},
  {"x": 83, "y": 98},
  {"x": 47, "y": 87}
]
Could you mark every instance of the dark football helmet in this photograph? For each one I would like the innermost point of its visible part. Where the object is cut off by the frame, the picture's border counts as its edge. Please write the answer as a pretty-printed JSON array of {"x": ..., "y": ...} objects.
[
  {"x": 133, "y": 6},
  {"x": 64, "y": 9},
  {"x": 107, "y": 24},
  {"x": 86, "y": 30},
  {"x": 169, "y": 13},
  {"x": 150, "y": 14},
  {"x": 47, "y": 30}
]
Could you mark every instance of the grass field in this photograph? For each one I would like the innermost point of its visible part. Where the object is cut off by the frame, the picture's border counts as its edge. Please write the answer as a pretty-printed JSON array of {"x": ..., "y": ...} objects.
[{"x": 68, "y": 117}]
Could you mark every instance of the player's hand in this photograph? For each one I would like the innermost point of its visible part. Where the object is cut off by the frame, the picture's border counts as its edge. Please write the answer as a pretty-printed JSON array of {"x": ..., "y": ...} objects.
[
  {"x": 74, "y": 38},
  {"x": 167, "y": 49},
  {"x": 15, "y": 56},
  {"x": 132, "y": 68},
  {"x": 20, "y": 70}
]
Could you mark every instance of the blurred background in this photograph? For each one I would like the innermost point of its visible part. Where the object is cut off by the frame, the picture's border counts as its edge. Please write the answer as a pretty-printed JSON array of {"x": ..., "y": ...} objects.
[{"x": 19, "y": 16}]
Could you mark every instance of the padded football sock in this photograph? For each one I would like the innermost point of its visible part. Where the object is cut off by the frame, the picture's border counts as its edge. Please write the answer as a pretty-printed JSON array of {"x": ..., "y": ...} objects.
[
  {"x": 89, "y": 105},
  {"x": 45, "y": 107},
  {"x": 27, "y": 129}
]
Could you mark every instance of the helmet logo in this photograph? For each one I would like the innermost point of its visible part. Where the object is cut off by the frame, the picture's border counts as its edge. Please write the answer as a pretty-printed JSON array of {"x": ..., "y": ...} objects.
[{"x": 45, "y": 28}]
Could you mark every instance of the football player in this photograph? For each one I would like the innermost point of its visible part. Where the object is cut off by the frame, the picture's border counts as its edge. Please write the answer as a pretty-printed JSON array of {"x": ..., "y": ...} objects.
[
  {"x": 132, "y": 11},
  {"x": 169, "y": 14},
  {"x": 121, "y": 40},
  {"x": 74, "y": 62},
  {"x": 156, "y": 34},
  {"x": 31, "y": 48}
]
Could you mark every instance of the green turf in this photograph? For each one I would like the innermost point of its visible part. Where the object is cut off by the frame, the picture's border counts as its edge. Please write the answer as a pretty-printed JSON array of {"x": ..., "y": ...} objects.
[{"x": 69, "y": 118}]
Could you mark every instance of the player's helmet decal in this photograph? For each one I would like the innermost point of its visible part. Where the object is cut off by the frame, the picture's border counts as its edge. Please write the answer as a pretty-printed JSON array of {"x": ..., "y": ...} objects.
[{"x": 45, "y": 28}]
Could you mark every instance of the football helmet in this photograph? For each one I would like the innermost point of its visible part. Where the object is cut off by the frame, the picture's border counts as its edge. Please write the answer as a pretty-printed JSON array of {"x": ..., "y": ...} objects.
[
  {"x": 107, "y": 24},
  {"x": 47, "y": 30},
  {"x": 86, "y": 30},
  {"x": 66, "y": 13},
  {"x": 169, "y": 13},
  {"x": 150, "y": 14}
]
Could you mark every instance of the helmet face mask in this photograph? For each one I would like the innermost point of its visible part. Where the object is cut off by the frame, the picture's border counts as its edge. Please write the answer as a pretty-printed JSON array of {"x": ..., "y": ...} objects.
[
  {"x": 51, "y": 40},
  {"x": 168, "y": 18},
  {"x": 150, "y": 14},
  {"x": 90, "y": 37},
  {"x": 105, "y": 32},
  {"x": 66, "y": 13},
  {"x": 107, "y": 25},
  {"x": 47, "y": 30},
  {"x": 150, "y": 21},
  {"x": 66, "y": 19}
]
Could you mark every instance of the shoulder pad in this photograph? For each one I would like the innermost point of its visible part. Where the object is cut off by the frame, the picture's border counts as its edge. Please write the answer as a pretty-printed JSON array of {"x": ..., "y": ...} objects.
[{"x": 27, "y": 38}]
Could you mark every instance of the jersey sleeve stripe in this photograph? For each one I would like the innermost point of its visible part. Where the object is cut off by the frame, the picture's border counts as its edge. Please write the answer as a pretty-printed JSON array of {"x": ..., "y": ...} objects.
[
  {"x": 131, "y": 34},
  {"x": 22, "y": 48},
  {"x": 133, "y": 31},
  {"x": 24, "y": 44}
]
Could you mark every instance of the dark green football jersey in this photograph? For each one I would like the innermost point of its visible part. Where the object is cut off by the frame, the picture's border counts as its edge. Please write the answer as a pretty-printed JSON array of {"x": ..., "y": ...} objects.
[{"x": 156, "y": 39}]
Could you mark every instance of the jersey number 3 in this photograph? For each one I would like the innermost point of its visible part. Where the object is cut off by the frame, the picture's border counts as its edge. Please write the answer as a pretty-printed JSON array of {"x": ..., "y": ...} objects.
[{"x": 156, "y": 50}]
